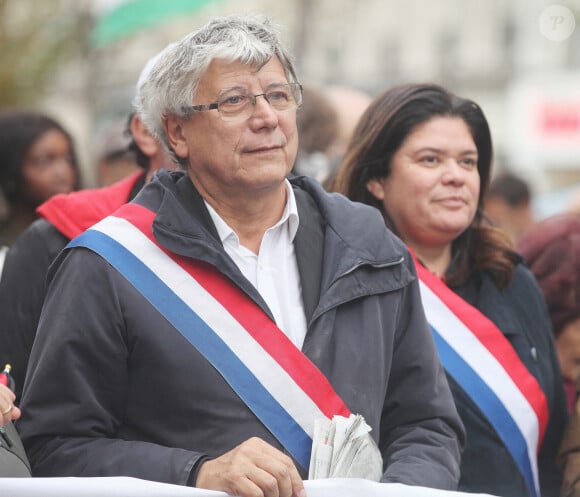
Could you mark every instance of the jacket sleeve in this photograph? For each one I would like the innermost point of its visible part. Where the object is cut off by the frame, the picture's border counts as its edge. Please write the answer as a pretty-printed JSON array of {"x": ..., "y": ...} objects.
[
  {"x": 421, "y": 432},
  {"x": 22, "y": 290},
  {"x": 77, "y": 385}
]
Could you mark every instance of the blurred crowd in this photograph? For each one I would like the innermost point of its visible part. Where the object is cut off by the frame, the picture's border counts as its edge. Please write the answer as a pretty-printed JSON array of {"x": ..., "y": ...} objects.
[{"x": 499, "y": 287}]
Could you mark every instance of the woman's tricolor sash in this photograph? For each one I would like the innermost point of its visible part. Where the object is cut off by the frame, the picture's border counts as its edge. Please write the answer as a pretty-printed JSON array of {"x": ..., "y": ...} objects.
[
  {"x": 281, "y": 386},
  {"x": 482, "y": 361}
]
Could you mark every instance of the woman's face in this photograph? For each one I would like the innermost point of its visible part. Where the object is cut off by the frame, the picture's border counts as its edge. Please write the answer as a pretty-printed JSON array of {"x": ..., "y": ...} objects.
[
  {"x": 48, "y": 168},
  {"x": 568, "y": 348},
  {"x": 432, "y": 191}
]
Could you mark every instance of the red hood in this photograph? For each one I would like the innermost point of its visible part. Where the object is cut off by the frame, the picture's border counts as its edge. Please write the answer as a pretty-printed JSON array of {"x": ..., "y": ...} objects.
[{"x": 73, "y": 213}]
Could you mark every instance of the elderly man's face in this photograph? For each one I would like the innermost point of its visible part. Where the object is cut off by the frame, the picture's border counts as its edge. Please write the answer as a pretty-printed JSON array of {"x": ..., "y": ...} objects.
[{"x": 227, "y": 159}]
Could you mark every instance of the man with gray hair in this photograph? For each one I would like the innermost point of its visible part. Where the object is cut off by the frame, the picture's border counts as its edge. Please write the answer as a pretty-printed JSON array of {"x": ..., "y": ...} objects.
[{"x": 199, "y": 334}]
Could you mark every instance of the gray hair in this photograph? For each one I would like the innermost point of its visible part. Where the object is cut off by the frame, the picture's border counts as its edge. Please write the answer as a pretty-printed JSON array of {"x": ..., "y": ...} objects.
[{"x": 171, "y": 84}]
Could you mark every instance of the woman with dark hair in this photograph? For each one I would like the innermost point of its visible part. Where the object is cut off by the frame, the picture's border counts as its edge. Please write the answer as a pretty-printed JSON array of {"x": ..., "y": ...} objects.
[
  {"x": 551, "y": 249},
  {"x": 37, "y": 161},
  {"x": 422, "y": 156}
]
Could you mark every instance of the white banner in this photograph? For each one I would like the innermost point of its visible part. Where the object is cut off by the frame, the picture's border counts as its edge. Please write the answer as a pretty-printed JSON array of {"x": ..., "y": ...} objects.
[{"x": 132, "y": 487}]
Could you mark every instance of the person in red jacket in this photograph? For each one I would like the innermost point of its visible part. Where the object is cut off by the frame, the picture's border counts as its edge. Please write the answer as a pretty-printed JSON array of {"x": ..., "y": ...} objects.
[{"x": 63, "y": 217}]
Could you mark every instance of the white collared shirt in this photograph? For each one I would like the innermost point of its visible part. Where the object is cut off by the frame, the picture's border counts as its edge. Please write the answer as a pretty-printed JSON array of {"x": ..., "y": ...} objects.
[{"x": 274, "y": 271}]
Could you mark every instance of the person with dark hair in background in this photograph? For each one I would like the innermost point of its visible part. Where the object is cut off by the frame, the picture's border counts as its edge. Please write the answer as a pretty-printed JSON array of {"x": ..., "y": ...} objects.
[
  {"x": 37, "y": 160},
  {"x": 114, "y": 158},
  {"x": 62, "y": 217},
  {"x": 508, "y": 204},
  {"x": 423, "y": 156},
  {"x": 317, "y": 123},
  {"x": 551, "y": 249},
  {"x": 202, "y": 330},
  {"x": 349, "y": 104}
]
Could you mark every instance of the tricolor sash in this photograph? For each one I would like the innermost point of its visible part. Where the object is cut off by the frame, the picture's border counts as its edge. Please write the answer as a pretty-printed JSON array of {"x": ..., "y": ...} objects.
[
  {"x": 281, "y": 386},
  {"x": 482, "y": 361}
]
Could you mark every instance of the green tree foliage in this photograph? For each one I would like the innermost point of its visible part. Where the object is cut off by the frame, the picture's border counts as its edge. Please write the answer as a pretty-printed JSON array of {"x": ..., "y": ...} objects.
[{"x": 36, "y": 38}]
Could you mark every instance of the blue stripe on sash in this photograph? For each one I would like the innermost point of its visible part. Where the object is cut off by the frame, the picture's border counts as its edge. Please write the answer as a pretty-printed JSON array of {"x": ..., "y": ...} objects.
[
  {"x": 490, "y": 404},
  {"x": 191, "y": 326}
]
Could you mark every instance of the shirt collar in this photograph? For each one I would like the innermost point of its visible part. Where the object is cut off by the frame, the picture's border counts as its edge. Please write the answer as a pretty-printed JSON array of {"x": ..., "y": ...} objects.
[{"x": 289, "y": 218}]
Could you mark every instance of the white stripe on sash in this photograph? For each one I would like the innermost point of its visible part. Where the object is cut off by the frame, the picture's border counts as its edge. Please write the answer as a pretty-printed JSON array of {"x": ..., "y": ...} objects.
[
  {"x": 460, "y": 338},
  {"x": 268, "y": 372}
]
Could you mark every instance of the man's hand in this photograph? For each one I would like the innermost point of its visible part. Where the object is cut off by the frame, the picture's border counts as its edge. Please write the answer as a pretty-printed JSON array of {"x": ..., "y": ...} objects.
[
  {"x": 252, "y": 469},
  {"x": 8, "y": 411}
]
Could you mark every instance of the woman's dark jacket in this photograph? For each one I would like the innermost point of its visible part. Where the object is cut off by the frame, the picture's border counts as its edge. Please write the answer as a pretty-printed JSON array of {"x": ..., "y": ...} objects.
[{"x": 520, "y": 313}]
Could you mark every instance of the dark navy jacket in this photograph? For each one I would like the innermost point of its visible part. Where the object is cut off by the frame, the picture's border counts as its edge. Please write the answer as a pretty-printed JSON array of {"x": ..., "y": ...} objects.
[{"x": 113, "y": 389}]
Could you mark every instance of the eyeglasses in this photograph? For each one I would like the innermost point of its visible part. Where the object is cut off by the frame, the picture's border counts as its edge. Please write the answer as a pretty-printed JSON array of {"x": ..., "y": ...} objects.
[{"x": 235, "y": 106}]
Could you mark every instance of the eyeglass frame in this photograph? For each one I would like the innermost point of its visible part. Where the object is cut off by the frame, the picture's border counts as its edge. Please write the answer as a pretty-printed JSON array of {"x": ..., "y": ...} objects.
[{"x": 295, "y": 87}]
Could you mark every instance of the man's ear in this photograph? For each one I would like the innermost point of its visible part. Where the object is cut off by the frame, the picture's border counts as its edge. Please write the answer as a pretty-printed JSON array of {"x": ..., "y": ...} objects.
[
  {"x": 376, "y": 188},
  {"x": 146, "y": 142},
  {"x": 173, "y": 126}
]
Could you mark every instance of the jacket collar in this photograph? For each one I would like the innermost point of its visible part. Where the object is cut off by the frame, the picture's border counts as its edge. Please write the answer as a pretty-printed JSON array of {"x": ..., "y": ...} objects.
[
  {"x": 360, "y": 228},
  {"x": 334, "y": 236}
]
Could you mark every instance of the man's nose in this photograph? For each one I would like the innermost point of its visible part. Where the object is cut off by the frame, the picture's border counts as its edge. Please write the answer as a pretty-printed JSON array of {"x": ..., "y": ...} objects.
[{"x": 263, "y": 109}]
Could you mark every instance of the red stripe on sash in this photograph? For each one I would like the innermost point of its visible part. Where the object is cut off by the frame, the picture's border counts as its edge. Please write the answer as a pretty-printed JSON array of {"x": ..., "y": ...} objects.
[
  {"x": 493, "y": 340},
  {"x": 305, "y": 373}
]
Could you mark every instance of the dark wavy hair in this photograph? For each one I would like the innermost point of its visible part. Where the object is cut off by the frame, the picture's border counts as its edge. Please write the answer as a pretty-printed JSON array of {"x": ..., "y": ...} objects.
[
  {"x": 551, "y": 249},
  {"x": 19, "y": 130},
  {"x": 383, "y": 128}
]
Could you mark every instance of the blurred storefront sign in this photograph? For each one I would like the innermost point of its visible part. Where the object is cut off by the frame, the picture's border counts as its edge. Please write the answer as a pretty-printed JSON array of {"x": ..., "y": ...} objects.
[{"x": 544, "y": 115}]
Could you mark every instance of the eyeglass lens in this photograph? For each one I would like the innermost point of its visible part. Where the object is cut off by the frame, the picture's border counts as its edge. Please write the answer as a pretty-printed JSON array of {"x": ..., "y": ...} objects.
[{"x": 237, "y": 106}]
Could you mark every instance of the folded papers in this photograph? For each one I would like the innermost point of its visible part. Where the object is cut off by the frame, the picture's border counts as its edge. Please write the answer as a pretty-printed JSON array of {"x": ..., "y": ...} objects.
[{"x": 343, "y": 448}]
